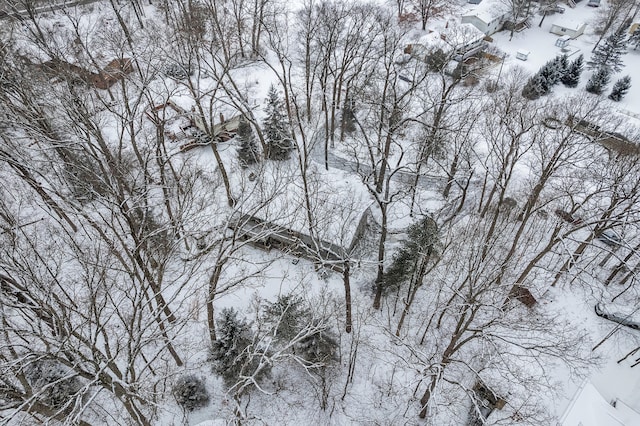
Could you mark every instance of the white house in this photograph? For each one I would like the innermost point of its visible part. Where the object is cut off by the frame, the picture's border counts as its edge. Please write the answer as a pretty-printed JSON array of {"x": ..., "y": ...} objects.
[
  {"x": 489, "y": 16},
  {"x": 589, "y": 408},
  {"x": 572, "y": 29},
  {"x": 458, "y": 41}
]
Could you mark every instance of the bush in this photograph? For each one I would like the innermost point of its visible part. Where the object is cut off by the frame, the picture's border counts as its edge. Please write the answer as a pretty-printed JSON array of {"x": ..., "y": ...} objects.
[
  {"x": 55, "y": 383},
  {"x": 190, "y": 392}
]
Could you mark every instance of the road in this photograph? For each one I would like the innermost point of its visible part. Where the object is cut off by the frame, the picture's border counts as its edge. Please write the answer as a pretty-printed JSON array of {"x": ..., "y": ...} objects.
[{"x": 7, "y": 11}]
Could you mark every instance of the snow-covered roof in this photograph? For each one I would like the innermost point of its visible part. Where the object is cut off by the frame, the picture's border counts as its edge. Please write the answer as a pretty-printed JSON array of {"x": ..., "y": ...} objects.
[
  {"x": 589, "y": 408},
  {"x": 337, "y": 203},
  {"x": 453, "y": 36},
  {"x": 569, "y": 24},
  {"x": 489, "y": 10}
]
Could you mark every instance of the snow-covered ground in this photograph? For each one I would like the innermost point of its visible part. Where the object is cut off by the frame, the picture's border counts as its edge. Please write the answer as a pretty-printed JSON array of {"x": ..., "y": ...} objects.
[
  {"x": 374, "y": 397},
  {"x": 541, "y": 43}
]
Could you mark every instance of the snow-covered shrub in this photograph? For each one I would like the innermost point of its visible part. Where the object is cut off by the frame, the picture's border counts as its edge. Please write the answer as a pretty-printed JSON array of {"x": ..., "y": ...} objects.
[
  {"x": 55, "y": 384},
  {"x": 190, "y": 392}
]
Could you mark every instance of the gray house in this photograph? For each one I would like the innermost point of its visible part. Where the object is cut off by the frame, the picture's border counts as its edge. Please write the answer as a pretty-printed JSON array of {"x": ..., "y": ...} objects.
[{"x": 276, "y": 216}]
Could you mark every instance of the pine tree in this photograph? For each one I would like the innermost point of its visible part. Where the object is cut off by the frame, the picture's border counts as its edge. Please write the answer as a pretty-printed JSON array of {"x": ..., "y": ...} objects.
[
  {"x": 318, "y": 349},
  {"x": 421, "y": 242},
  {"x": 190, "y": 392},
  {"x": 248, "y": 153},
  {"x": 535, "y": 87},
  {"x": 563, "y": 64},
  {"x": 552, "y": 71},
  {"x": 571, "y": 77},
  {"x": 609, "y": 54},
  {"x": 229, "y": 352},
  {"x": 349, "y": 115},
  {"x": 276, "y": 128},
  {"x": 599, "y": 81},
  {"x": 620, "y": 88},
  {"x": 289, "y": 314}
]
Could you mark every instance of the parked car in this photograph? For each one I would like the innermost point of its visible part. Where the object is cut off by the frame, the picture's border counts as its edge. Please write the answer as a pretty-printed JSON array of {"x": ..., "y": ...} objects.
[
  {"x": 558, "y": 9},
  {"x": 610, "y": 238},
  {"x": 594, "y": 3}
]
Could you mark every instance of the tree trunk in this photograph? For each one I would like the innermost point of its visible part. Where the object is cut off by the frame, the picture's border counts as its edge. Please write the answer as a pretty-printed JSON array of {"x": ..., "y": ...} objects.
[{"x": 347, "y": 297}]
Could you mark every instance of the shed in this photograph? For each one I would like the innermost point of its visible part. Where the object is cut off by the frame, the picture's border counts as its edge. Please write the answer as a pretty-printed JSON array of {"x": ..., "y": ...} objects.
[
  {"x": 573, "y": 29},
  {"x": 563, "y": 41},
  {"x": 522, "y": 54}
]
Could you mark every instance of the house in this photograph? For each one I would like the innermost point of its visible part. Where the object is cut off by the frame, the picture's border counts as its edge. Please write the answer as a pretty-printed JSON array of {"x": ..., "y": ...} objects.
[
  {"x": 572, "y": 29},
  {"x": 589, "y": 408},
  {"x": 489, "y": 17},
  {"x": 340, "y": 217},
  {"x": 456, "y": 41}
]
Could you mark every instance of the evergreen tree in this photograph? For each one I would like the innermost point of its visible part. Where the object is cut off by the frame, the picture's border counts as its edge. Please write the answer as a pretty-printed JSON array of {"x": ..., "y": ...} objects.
[
  {"x": 609, "y": 54},
  {"x": 190, "y": 392},
  {"x": 276, "y": 128},
  {"x": 349, "y": 115},
  {"x": 634, "y": 39},
  {"x": 289, "y": 314},
  {"x": 552, "y": 71},
  {"x": 230, "y": 352},
  {"x": 571, "y": 77},
  {"x": 248, "y": 152},
  {"x": 535, "y": 87},
  {"x": 437, "y": 60},
  {"x": 563, "y": 64},
  {"x": 620, "y": 88},
  {"x": 599, "y": 80},
  {"x": 422, "y": 238},
  {"x": 318, "y": 349}
]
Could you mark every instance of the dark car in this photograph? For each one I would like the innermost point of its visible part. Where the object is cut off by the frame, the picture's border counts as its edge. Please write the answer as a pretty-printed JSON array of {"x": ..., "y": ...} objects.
[{"x": 610, "y": 238}]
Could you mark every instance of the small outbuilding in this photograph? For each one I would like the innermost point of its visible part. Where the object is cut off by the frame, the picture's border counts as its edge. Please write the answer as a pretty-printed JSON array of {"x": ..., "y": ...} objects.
[
  {"x": 572, "y": 29},
  {"x": 522, "y": 54},
  {"x": 563, "y": 41}
]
